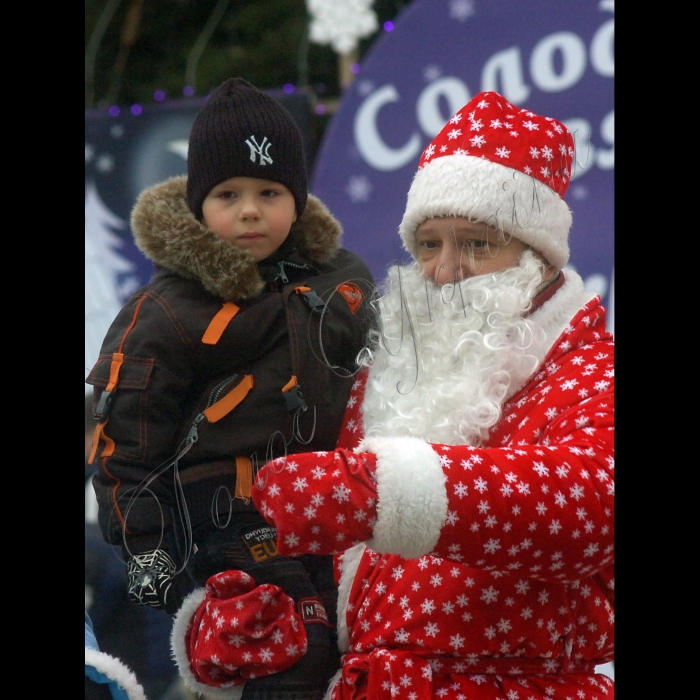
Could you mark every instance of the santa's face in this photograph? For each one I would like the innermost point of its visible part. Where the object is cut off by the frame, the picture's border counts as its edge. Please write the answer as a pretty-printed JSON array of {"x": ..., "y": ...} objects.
[
  {"x": 453, "y": 248},
  {"x": 446, "y": 357}
]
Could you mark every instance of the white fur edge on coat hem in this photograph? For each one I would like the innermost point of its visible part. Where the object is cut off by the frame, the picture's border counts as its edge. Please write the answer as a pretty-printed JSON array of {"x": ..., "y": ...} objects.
[
  {"x": 350, "y": 562},
  {"x": 179, "y": 651},
  {"x": 116, "y": 671},
  {"x": 331, "y": 684},
  {"x": 412, "y": 497}
]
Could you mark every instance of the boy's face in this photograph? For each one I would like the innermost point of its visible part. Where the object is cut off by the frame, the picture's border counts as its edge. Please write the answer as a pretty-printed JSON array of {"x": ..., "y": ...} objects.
[{"x": 250, "y": 213}]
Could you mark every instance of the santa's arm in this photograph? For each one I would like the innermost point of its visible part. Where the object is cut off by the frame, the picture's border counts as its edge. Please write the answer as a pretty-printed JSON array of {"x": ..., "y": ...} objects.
[{"x": 544, "y": 510}]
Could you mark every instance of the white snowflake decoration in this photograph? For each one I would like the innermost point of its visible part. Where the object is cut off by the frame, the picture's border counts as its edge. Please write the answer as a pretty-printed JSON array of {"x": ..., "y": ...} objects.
[
  {"x": 359, "y": 188},
  {"x": 461, "y": 10},
  {"x": 103, "y": 263},
  {"x": 341, "y": 23}
]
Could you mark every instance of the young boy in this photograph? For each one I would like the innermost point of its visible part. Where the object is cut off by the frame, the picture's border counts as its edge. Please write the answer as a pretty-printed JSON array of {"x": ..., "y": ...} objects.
[{"x": 241, "y": 348}]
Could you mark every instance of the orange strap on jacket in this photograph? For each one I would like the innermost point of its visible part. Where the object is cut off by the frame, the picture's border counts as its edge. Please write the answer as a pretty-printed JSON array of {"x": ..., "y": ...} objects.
[
  {"x": 114, "y": 367},
  {"x": 226, "y": 404},
  {"x": 117, "y": 361},
  {"x": 298, "y": 290},
  {"x": 219, "y": 322},
  {"x": 109, "y": 443},
  {"x": 290, "y": 384},
  {"x": 244, "y": 478}
]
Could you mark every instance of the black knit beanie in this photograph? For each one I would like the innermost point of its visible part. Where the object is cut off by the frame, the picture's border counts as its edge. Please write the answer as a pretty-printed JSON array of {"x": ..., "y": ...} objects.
[{"x": 242, "y": 132}]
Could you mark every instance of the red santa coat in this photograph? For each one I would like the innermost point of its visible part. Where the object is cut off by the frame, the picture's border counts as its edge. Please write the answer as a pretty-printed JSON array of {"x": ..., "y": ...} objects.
[{"x": 472, "y": 572}]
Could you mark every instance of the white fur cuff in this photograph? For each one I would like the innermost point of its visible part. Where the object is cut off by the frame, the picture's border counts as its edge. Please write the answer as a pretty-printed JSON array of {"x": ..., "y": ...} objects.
[
  {"x": 179, "y": 651},
  {"x": 412, "y": 504}
]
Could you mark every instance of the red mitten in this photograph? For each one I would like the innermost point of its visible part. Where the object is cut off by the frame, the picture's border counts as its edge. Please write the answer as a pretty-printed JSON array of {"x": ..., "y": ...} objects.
[
  {"x": 232, "y": 631},
  {"x": 320, "y": 502}
]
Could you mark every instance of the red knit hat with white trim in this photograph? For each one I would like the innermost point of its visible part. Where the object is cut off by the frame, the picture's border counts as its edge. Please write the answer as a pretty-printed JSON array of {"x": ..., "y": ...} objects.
[{"x": 502, "y": 165}]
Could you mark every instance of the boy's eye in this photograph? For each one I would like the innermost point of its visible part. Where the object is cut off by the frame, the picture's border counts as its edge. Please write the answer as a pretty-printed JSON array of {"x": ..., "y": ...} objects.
[
  {"x": 268, "y": 193},
  {"x": 429, "y": 245},
  {"x": 227, "y": 194}
]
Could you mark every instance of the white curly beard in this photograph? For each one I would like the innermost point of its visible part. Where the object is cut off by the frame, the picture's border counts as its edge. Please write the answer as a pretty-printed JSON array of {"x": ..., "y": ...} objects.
[{"x": 448, "y": 357}]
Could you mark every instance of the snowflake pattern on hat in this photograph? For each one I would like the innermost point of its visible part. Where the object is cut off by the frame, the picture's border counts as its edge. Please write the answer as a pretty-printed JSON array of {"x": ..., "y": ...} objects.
[
  {"x": 489, "y": 126},
  {"x": 500, "y": 164}
]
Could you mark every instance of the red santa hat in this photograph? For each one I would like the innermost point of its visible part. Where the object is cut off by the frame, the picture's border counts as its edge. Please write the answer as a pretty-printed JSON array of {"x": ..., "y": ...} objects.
[{"x": 500, "y": 164}]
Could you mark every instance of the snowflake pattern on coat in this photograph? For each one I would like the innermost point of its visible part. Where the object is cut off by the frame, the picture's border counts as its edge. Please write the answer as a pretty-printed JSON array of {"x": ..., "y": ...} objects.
[{"x": 516, "y": 600}]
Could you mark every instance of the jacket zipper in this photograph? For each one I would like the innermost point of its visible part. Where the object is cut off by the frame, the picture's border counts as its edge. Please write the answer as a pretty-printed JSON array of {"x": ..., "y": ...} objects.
[
  {"x": 283, "y": 273},
  {"x": 193, "y": 432}
]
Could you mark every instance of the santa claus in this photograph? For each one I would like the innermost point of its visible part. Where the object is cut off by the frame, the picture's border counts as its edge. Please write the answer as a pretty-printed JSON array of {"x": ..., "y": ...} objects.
[{"x": 470, "y": 501}]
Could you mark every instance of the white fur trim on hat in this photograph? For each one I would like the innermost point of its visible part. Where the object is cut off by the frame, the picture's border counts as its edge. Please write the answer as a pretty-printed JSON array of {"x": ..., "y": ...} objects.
[
  {"x": 179, "y": 651},
  {"x": 412, "y": 497},
  {"x": 482, "y": 190}
]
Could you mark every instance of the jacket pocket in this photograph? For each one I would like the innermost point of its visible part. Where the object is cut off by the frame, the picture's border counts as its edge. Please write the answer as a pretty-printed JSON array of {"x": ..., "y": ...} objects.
[{"x": 125, "y": 409}]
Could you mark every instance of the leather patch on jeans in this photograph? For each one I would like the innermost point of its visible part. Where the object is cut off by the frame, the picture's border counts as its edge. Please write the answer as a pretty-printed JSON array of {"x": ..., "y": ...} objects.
[
  {"x": 262, "y": 543},
  {"x": 312, "y": 611}
]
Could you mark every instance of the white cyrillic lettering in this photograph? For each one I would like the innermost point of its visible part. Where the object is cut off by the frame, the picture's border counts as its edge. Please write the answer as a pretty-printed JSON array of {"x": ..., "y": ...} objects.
[
  {"x": 507, "y": 65},
  {"x": 584, "y": 151},
  {"x": 428, "y": 112},
  {"x": 605, "y": 158},
  {"x": 603, "y": 49},
  {"x": 369, "y": 142},
  {"x": 542, "y": 69}
]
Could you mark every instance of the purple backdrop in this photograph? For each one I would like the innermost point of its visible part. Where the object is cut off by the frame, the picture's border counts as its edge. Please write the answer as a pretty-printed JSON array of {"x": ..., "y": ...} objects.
[
  {"x": 552, "y": 57},
  {"x": 555, "y": 58}
]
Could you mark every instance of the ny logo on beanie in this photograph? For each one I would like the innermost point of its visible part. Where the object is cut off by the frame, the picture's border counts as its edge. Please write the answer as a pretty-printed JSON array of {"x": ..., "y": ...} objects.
[
  {"x": 256, "y": 149},
  {"x": 233, "y": 135}
]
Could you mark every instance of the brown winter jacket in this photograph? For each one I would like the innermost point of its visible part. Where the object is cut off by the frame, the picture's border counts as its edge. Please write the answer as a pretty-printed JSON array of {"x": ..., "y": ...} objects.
[{"x": 180, "y": 347}]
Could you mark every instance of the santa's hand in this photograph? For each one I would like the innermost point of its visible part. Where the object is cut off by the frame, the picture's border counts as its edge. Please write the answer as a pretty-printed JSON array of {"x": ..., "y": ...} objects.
[
  {"x": 320, "y": 502},
  {"x": 232, "y": 631}
]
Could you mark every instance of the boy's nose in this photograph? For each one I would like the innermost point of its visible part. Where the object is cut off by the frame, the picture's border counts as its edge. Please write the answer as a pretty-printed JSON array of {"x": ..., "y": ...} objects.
[{"x": 250, "y": 209}]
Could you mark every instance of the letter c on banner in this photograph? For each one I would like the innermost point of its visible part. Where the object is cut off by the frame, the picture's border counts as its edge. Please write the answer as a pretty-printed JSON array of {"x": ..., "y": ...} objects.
[
  {"x": 430, "y": 118},
  {"x": 369, "y": 142}
]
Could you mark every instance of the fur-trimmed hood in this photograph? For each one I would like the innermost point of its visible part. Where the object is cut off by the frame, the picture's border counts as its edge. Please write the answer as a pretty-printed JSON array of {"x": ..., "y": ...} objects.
[{"x": 168, "y": 234}]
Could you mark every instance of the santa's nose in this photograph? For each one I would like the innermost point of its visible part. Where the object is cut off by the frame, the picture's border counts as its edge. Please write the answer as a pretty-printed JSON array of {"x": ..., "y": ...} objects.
[{"x": 449, "y": 267}]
